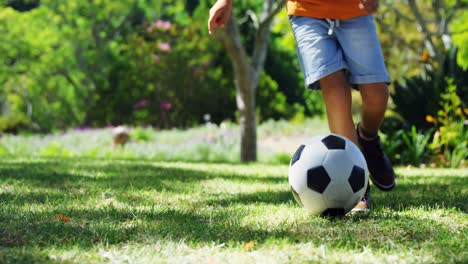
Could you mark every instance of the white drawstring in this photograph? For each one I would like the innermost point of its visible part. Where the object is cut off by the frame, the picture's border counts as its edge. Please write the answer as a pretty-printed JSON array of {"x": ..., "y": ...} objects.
[{"x": 333, "y": 24}]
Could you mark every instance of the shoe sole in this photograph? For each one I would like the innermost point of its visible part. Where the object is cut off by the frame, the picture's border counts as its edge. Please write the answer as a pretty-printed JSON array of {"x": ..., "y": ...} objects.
[
  {"x": 381, "y": 187},
  {"x": 360, "y": 211}
]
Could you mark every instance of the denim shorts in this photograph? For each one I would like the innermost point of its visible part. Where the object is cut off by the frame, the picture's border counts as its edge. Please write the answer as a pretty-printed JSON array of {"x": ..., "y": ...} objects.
[{"x": 326, "y": 46}]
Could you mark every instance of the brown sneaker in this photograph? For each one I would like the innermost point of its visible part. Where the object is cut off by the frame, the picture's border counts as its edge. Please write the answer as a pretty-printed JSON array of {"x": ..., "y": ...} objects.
[
  {"x": 380, "y": 167},
  {"x": 364, "y": 205}
]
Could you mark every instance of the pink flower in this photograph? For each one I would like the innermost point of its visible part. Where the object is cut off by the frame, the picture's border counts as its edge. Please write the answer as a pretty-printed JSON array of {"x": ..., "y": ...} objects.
[
  {"x": 161, "y": 24},
  {"x": 165, "y": 106},
  {"x": 164, "y": 47},
  {"x": 141, "y": 104}
]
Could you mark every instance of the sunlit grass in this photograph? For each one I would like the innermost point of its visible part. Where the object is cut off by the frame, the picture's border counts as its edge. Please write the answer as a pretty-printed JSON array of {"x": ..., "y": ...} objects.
[{"x": 144, "y": 211}]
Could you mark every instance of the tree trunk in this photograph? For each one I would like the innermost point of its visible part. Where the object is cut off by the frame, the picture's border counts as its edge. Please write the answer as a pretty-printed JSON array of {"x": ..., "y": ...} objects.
[
  {"x": 247, "y": 73},
  {"x": 245, "y": 89},
  {"x": 247, "y": 120}
]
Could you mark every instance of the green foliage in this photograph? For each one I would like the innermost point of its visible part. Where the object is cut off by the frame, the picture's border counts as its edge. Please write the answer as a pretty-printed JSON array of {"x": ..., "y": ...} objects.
[
  {"x": 76, "y": 62},
  {"x": 417, "y": 97},
  {"x": 89, "y": 63},
  {"x": 173, "y": 76},
  {"x": 282, "y": 158},
  {"x": 34, "y": 90},
  {"x": 405, "y": 42},
  {"x": 142, "y": 134},
  {"x": 147, "y": 62},
  {"x": 416, "y": 149},
  {"x": 444, "y": 136},
  {"x": 451, "y": 137},
  {"x": 460, "y": 38},
  {"x": 55, "y": 150},
  {"x": 271, "y": 102},
  {"x": 393, "y": 146}
]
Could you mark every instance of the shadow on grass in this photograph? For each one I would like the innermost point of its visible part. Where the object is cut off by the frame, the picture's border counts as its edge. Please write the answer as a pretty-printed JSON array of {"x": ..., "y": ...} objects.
[
  {"x": 214, "y": 220},
  {"x": 118, "y": 174},
  {"x": 109, "y": 227}
]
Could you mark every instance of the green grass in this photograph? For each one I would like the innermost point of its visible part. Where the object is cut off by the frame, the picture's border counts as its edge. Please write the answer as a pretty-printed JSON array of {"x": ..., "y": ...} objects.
[{"x": 143, "y": 211}]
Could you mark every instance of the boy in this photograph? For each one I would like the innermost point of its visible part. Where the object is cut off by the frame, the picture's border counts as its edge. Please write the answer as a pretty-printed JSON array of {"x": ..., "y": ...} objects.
[{"x": 338, "y": 47}]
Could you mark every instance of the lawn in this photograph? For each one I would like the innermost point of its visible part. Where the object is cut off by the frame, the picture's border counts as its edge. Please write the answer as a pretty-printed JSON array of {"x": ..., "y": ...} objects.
[{"x": 88, "y": 210}]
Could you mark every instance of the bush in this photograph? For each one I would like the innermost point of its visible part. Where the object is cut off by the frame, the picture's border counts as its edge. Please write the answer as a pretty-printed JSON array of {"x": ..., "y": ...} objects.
[
  {"x": 417, "y": 97},
  {"x": 443, "y": 143},
  {"x": 434, "y": 104},
  {"x": 451, "y": 137}
]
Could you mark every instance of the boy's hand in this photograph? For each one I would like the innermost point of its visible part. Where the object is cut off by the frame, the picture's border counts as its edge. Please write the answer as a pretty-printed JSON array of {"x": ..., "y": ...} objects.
[
  {"x": 219, "y": 14},
  {"x": 371, "y": 6}
]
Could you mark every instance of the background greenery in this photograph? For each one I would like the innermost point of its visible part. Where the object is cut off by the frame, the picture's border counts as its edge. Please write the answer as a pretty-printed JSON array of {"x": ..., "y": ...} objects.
[
  {"x": 72, "y": 70},
  {"x": 94, "y": 64}
]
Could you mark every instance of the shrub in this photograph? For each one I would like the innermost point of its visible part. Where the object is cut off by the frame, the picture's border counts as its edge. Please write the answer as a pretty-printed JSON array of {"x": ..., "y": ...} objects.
[
  {"x": 451, "y": 137},
  {"x": 417, "y": 97},
  {"x": 416, "y": 147}
]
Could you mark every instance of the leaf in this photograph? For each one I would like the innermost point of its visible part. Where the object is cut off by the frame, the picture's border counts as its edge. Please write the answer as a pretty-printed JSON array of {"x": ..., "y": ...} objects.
[
  {"x": 63, "y": 218},
  {"x": 249, "y": 245}
]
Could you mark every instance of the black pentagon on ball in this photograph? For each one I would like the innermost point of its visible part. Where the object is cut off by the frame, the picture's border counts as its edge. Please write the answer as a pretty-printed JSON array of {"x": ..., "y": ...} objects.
[
  {"x": 296, "y": 196},
  {"x": 297, "y": 154},
  {"x": 318, "y": 179},
  {"x": 334, "y": 142},
  {"x": 357, "y": 179}
]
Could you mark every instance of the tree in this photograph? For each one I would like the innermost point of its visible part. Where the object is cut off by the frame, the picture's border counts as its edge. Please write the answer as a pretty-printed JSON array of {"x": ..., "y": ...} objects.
[
  {"x": 460, "y": 38},
  {"x": 419, "y": 31},
  {"x": 247, "y": 70}
]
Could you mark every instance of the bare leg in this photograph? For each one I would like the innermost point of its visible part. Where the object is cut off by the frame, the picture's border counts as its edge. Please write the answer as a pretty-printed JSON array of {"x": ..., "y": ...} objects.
[
  {"x": 337, "y": 96},
  {"x": 374, "y": 105}
]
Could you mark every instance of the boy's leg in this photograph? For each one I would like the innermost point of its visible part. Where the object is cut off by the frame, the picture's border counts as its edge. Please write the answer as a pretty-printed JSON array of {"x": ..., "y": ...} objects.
[
  {"x": 337, "y": 97},
  {"x": 374, "y": 105},
  {"x": 361, "y": 48}
]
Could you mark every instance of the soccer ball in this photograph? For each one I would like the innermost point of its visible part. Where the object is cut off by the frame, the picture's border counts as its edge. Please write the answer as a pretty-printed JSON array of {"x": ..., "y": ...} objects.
[{"x": 328, "y": 175}]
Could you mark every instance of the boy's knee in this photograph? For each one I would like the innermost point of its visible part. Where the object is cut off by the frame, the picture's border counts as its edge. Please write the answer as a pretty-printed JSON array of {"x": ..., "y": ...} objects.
[{"x": 375, "y": 94}]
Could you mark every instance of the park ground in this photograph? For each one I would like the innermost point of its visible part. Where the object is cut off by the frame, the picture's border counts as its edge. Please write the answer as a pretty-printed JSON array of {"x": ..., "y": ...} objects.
[
  {"x": 182, "y": 196},
  {"x": 107, "y": 210}
]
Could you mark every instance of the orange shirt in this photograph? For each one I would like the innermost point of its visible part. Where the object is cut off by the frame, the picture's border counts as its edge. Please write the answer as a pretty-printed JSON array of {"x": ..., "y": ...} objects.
[{"x": 334, "y": 9}]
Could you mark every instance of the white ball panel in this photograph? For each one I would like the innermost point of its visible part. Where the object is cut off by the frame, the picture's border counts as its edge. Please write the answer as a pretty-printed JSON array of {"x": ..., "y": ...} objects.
[
  {"x": 298, "y": 178},
  {"x": 338, "y": 165},
  {"x": 355, "y": 155},
  {"x": 337, "y": 195},
  {"x": 313, "y": 202},
  {"x": 313, "y": 155}
]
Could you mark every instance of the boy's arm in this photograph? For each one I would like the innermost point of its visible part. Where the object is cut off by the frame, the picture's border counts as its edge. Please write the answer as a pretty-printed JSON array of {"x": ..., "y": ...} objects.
[
  {"x": 371, "y": 6},
  {"x": 219, "y": 14}
]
